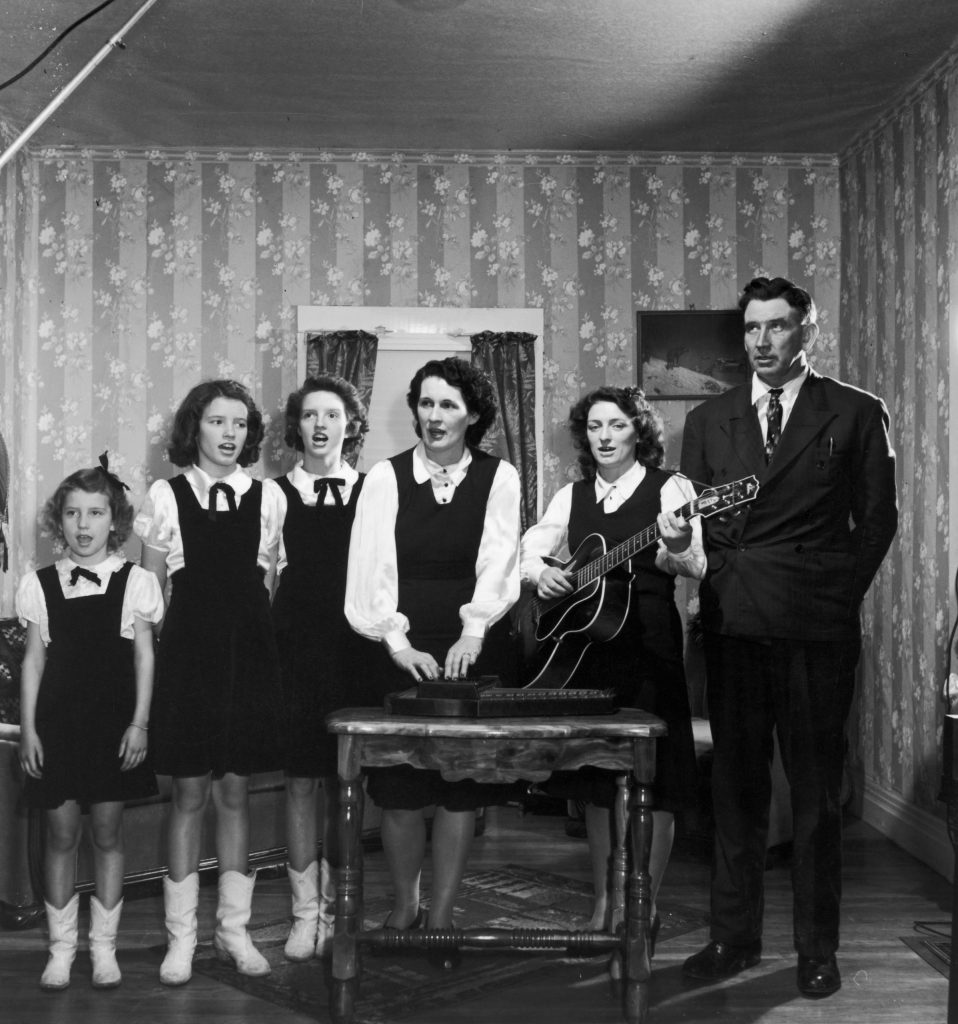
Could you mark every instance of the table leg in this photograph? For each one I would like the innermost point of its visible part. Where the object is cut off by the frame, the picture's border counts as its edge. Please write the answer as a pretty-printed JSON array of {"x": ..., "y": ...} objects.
[
  {"x": 638, "y": 969},
  {"x": 349, "y": 883}
]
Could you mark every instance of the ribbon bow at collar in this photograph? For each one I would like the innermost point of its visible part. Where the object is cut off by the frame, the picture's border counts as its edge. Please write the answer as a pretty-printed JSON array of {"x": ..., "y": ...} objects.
[
  {"x": 323, "y": 485},
  {"x": 77, "y": 571},
  {"x": 227, "y": 492}
]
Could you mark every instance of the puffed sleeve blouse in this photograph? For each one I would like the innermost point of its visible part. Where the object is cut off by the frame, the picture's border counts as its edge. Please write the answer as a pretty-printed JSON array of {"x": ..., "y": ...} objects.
[
  {"x": 372, "y": 583},
  {"x": 158, "y": 523}
]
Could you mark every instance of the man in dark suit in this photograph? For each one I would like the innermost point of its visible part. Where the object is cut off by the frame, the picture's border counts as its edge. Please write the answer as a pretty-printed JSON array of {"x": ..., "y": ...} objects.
[{"x": 780, "y": 608}]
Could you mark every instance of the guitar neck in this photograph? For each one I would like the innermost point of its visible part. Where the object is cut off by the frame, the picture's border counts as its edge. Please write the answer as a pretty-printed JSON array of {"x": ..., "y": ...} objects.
[{"x": 614, "y": 557}]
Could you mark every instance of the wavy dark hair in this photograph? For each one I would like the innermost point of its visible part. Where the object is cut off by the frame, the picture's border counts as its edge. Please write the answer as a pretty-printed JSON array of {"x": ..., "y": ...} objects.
[
  {"x": 186, "y": 423},
  {"x": 473, "y": 385},
  {"x": 763, "y": 289},
  {"x": 352, "y": 403},
  {"x": 649, "y": 431},
  {"x": 92, "y": 481}
]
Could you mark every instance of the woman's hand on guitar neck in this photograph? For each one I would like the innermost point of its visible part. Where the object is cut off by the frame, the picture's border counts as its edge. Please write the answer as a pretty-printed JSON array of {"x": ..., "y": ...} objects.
[
  {"x": 554, "y": 582},
  {"x": 675, "y": 532}
]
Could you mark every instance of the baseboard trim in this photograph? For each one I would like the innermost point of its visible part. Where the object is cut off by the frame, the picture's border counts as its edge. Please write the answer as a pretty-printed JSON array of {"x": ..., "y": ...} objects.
[{"x": 922, "y": 834}]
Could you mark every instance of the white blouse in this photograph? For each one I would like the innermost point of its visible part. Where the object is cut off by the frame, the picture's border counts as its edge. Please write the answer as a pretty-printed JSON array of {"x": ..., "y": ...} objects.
[
  {"x": 304, "y": 484},
  {"x": 158, "y": 522},
  {"x": 372, "y": 582},
  {"x": 550, "y": 536},
  {"x": 142, "y": 599}
]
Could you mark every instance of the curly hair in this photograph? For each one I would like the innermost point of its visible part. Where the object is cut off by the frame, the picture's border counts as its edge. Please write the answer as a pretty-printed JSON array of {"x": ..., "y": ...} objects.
[
  {"x": 473, "y": 385},
  {"x": 352, "y": 403},
  {"x": 649, "y": 431},
  {"x": 186, "y": 423},
  {"x": 763, "y": 289},
  {"x": 92, "y": 481}
]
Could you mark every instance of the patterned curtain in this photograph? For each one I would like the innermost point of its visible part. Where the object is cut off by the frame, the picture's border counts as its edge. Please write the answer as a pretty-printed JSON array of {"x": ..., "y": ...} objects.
[
  {"x": 508, "y": 359},
  {"x": 4, "y": 482},
  {"x": 347, "y": 354}
]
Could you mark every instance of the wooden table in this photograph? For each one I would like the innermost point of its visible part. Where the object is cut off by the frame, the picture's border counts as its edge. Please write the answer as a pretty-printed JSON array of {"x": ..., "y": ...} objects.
[{"x": 502, "y": 750}]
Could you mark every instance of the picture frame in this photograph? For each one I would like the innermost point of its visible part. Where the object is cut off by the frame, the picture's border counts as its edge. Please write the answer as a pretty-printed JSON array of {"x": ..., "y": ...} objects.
[{"x": 689, "y": 353}]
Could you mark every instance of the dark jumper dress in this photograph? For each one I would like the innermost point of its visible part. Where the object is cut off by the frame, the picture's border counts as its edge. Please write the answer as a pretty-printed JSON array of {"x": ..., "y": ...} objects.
[
  {"x": 323, "y": 661},
  {"x": 218, "y": 703},
  {"x": 86, "y": 700},
  {"x": 436, "y": 549},
  {"x": 644, "y": 663}
]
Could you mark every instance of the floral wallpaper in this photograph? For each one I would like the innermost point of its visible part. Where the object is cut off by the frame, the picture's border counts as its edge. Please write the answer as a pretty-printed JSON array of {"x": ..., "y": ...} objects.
[
  {"x": 130, "y": 276},
  {"x": 900, "y": 229}
]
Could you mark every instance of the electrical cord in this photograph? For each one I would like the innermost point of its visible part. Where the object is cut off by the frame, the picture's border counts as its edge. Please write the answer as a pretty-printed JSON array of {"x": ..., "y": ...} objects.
[{"x": 56, "y": 42}]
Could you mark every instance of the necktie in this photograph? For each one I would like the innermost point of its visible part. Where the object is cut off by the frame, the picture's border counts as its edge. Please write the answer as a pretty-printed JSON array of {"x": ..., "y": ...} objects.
[
  {"x": 774, "y": 433},
  {"x": 77, "y": 571},
  {"x": 227, "y": 492},
  {"x": 326, "y": 483}
]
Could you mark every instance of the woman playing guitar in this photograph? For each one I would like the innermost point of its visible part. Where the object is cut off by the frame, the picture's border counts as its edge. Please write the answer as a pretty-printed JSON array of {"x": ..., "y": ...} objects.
[{"x": 632, "y": 640}]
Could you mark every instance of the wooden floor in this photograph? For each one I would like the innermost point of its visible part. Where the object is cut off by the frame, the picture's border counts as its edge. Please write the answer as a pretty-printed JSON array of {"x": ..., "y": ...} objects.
[{"x": 886, "y": 893}]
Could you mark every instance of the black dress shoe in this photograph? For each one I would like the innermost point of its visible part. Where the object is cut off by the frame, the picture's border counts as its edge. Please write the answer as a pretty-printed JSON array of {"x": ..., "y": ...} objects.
[
  {"x": 818, "y": 978},
  {"x": 720, "y": 960}
]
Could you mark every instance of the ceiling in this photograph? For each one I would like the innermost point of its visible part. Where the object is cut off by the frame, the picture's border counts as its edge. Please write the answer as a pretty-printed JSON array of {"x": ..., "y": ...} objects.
[{"x": 784, "y": 76}]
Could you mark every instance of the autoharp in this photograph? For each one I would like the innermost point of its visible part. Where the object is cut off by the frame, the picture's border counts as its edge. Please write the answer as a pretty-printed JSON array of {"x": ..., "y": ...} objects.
[{"x": 486, "y": 698}]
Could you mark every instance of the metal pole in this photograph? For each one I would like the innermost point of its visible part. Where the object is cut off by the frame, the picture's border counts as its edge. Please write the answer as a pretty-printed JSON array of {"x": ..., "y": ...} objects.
[{"x": 58, "y": 101}]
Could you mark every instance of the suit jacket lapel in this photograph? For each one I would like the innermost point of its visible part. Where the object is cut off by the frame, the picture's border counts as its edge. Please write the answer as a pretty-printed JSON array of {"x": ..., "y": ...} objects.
[
  {"x": 806, "y": 422},
  {"x": 745, "y": 434}
]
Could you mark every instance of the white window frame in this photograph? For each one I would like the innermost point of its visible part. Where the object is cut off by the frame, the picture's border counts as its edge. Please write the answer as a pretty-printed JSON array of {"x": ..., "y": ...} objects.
[{"x": 432, "y": 330}]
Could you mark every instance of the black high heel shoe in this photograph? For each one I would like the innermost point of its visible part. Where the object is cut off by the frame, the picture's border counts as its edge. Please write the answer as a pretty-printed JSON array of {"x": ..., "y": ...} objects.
[
  {"x": 414, "y": 925},
  {"x": 654, "y": 934}
]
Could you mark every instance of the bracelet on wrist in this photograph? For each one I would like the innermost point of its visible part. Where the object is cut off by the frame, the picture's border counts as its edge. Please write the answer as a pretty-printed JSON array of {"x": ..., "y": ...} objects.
[{"x": 136, "y": 725}]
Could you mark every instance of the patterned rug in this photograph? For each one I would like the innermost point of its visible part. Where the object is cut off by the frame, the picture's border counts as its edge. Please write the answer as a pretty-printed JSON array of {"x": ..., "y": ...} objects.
[
  {"x": 935, "y": 951},
  {"x": 397, "y": 986}
]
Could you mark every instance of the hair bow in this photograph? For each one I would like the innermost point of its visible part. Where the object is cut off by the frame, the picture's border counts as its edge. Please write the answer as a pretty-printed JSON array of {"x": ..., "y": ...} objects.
[{"x": 105, "y": 466}]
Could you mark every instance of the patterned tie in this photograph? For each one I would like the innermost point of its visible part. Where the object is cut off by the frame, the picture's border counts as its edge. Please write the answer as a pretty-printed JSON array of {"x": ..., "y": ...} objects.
[
  {"x": 325, "y": 484},
  {"x": 77, "y": 571},
  {"x": 774, "y": 413}
]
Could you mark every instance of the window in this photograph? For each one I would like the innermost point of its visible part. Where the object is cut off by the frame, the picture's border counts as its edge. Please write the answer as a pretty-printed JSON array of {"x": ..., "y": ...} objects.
[{"x": 408, "y": 337}]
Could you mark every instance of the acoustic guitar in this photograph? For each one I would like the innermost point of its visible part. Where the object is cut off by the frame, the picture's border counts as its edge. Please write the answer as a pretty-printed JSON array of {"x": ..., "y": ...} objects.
[{"x": 598, "y": 605}]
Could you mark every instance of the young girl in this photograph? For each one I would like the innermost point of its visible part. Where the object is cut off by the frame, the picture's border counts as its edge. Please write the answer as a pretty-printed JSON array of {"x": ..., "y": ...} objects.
[
  {"x": 322, "y": 658},
  {"x": 218, "y": 705},
  {"x": 85, "y": 706}
]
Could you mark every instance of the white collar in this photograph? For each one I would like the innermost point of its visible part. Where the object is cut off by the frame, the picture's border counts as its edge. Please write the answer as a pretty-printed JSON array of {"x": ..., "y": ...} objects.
[
  {"x": 104, "y": 569},
  {"x": 790, "y": 388},
  {"x": 423, "y": 468},
  {"x": 301, "y": 478},
  {"x": 625, "y": 485},
  {"x": 239, "y": 480}
]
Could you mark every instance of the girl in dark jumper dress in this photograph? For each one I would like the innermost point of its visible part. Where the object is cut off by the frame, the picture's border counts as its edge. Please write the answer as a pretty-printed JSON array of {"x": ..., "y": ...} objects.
[
  {"x": 86, "y": 685},
  {"x": 433, "y": 570},
  {"x": 322, "y": 659},
  {"x": 218, "y": 707}
]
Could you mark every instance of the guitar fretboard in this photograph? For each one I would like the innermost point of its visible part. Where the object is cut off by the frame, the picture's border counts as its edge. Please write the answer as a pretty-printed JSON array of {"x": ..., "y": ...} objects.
[{"x": 624, "y": 551}]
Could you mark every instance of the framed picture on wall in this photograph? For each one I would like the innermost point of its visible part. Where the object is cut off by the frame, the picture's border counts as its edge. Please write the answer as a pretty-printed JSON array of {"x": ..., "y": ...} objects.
[{"x": 689, "y": 353}]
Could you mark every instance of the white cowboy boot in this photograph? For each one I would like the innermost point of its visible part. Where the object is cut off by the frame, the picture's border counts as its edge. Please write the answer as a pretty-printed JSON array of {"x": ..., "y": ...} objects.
[
  {"x": 62, "y": 925},
  {"x": 103, "y": 927},
  {"x": 327, "y": 910},
  {"x": 179, "y": 903},
  {"x": 304, "y": 885},
  {"x": 231, "y": 939}
]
